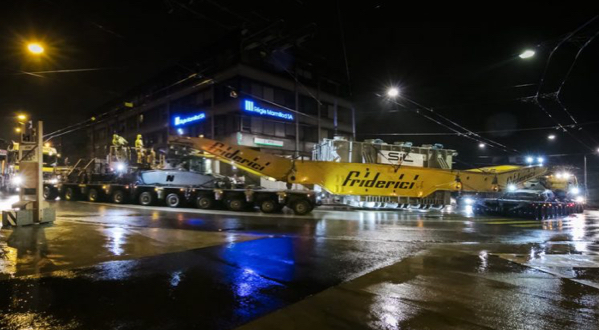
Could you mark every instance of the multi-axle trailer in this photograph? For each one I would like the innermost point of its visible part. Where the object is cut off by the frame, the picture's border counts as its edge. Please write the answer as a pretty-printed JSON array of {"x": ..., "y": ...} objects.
[{"x": 267, "y": 200}]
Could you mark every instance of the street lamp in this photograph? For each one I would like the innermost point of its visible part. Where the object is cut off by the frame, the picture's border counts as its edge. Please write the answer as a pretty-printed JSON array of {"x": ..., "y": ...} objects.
[
  {"x": 551, "y": 137},
  {"x": 393, "y": 92},
  {"x": 527, "y": 54},
  {"x": 529, "y": 160},
  {"x": 21, "y": 117},
  {"x": 18, "y": 129},
  {"x": 35, "y": 48},
  {"x": 481, "y": 145}
]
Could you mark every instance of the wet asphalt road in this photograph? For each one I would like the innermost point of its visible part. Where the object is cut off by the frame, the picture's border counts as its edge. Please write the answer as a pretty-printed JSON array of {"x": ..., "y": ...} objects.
[{"x": 102, "y": 266}]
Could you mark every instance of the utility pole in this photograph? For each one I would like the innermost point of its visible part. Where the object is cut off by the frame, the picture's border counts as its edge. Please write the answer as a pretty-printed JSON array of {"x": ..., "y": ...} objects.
[
  {"x": 39, "y": 189},
  {"x": 297, "y": 137},
  {"x": 586, "y": 193}
]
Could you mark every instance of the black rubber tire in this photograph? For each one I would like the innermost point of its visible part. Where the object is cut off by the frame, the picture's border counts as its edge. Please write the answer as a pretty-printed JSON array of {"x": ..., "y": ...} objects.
[
  {"x": 236, "y": 204},
  {"x": 93, "y": 195},
  {"x": 269, "y": 206},
  {"x": 69, "y": 194},
  {"x": 537, "y": 213},
  {"x": 301, "y": 207},
  {"x": 146, "y": 198},
  {"x": 205, "y": 202},
  {"x": 118, "y": 197},
  {"x": 173, "y": 200},
  {"x": 50, "y": 193}
]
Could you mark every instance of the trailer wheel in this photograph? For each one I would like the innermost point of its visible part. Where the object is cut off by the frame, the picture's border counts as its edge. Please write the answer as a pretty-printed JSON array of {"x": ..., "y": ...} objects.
[
  {"x": 146, "y": 198},
  {"x": 92, "y": 195},
  {"x": 118, "y": 197},
  {"x": 50, "y": 193},
  {"x": 69, "y": 194},
  {"x": 236, "y": 204},
  {"x": 269, "y": 206},
  {"x": 205, "y": 202},
  {"x": 301, "y": 207},
  {"x": 173, "y": 200},
  {"x": 538, "y": 213}
]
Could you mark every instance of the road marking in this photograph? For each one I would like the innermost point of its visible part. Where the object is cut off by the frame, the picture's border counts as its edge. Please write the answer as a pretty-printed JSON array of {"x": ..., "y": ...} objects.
[
  {"x": 529, "y": 226},
  {"x": 508, "y": 222}
]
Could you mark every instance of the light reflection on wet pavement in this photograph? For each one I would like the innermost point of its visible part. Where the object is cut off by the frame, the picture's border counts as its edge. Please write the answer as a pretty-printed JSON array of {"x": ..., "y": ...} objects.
[{"x": 101, "y": 266}]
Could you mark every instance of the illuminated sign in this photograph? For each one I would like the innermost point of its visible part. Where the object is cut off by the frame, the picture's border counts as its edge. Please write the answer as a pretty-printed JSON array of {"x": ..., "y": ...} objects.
[
  {"x": 250, "y": 106},
  {"x": 268, "y": 142},
  {"x": 186, "y": 120}
]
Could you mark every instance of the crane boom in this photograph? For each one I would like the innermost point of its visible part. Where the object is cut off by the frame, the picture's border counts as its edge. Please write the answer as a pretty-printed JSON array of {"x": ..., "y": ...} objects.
[{"x": 364, "y": 179}]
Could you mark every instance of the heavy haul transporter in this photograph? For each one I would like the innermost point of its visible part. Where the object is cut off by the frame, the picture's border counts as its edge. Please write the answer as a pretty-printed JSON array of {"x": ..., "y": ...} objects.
[
  {"x": 391, "y": 182},
  {"x": 388, "y": 182}
]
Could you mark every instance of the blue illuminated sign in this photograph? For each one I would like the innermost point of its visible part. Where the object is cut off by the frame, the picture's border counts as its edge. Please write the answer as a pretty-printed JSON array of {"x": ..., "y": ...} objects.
[
  {"x": 186, "y": 120},
  {"x": 250, "y": 106}
]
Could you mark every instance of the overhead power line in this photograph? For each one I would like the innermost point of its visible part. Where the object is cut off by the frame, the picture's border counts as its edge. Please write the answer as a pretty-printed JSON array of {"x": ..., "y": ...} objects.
[{"x": 542, "y": 128}]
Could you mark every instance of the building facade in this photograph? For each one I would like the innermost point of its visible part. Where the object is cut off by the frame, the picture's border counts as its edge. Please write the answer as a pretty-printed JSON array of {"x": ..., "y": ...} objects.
[{"x": 247, "y": 102}]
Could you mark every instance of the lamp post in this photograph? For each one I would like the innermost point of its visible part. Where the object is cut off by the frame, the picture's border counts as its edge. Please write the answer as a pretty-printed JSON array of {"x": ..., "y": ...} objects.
[
  {"x": 527, "y": 54},
  {"x": 393, "y": 92},
  {"x": 35, "y": 48}
]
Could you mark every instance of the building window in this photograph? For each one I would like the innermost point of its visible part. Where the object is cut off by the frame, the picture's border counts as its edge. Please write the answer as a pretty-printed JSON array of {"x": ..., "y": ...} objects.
[
  {"x": 344, "y": 115},
  {"x": 257, "y": 90},
  {"x": 256, "y": 125},
  {"x": 246, "y": 124},
  {"x": 308, "y": 105},
  {"x": 269, "y": 94},
  {"x": 290, "y": 130},
  {"x": 268, "y": 128},
  {"x": 280, "y": 129},
  {"x": 220, "y": 124}
]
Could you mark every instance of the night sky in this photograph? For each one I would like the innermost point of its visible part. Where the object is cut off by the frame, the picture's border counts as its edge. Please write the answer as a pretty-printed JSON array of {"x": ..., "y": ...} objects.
[{"x": 460, "y": 61}]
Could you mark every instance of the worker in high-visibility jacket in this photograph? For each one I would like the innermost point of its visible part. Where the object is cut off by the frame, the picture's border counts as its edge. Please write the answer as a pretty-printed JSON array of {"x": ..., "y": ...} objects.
[{"x": 139, "y": 147}]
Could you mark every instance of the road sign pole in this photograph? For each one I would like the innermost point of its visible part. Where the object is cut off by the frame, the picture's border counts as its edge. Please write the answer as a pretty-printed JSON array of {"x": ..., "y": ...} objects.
[{"x": 39, "y": 189}]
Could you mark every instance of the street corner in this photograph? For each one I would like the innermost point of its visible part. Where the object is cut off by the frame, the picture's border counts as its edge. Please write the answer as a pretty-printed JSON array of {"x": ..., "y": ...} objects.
[{"x": 443, "y": 289}]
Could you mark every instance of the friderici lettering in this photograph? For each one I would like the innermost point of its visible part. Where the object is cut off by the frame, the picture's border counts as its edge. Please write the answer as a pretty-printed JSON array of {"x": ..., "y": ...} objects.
[
  {"x": 235, "y": 156},
  {"x": 519, "y": 177},
  {"x": 356, "y": 179}
]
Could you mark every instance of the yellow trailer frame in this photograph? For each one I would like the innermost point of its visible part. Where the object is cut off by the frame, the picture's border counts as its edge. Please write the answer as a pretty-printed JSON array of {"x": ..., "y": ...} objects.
[{"x": 364, "y": 179}]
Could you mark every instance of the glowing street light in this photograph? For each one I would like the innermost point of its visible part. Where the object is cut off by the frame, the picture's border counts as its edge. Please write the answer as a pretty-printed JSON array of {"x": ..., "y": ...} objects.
[
  {"x": 529, "y": 160},
  {"x": 482, "y": 145},
  {"x": 527, "y": 54},
  {"x": 393, "y": 92},
  {"x": 18, "y": 129},
  {"x": 540, "y": 160},
  {"x": 35, "y": 48},
  {"x": 551, "y": 137},
  {"x": 22, "y": 117}
]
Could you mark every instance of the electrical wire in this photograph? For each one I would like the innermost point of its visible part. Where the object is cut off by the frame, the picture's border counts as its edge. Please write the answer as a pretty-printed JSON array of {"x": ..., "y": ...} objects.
[
  {"x": 556, "y": 94},
  {"x": 344, "y": 47},
  {"x": 566, "y": 38},
  {"x": 468, "y": 133},
  {"x": 542, "y": 128}
]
